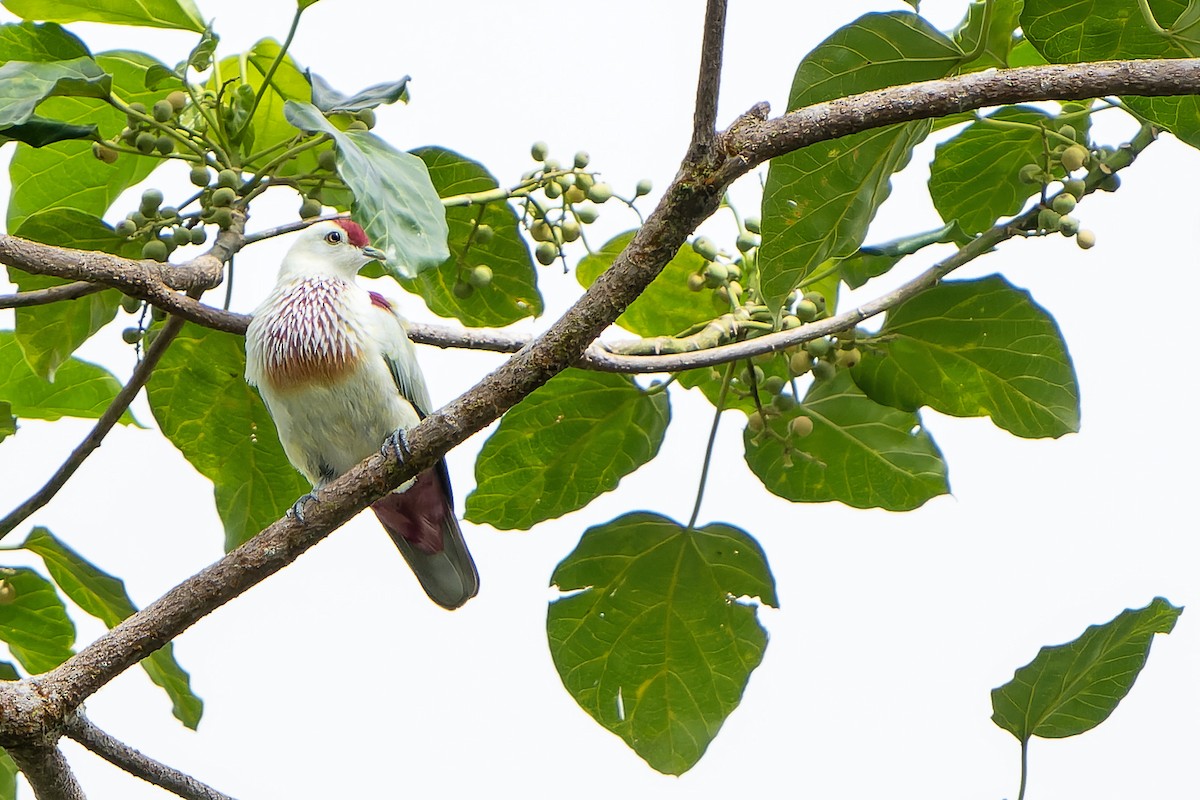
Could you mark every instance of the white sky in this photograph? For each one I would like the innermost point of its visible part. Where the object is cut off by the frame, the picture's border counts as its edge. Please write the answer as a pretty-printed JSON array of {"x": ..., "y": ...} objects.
[{"x": 338, "y": 678}]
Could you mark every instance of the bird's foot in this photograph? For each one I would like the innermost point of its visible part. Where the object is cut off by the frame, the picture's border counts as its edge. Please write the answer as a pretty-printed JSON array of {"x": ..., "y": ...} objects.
[
  {"x": 396, "y": 442},
  {"x": 297, "y": 509}
]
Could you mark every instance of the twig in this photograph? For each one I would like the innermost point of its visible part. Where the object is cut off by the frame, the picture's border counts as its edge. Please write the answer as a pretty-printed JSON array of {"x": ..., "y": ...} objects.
[
  {"x": 51, "y": 294},
  {"x": 103, "y": 425},
  {"x": 708, "y": 85},
  {"x": 47, "y": 771},
  {"x": 80, "y": 729}
]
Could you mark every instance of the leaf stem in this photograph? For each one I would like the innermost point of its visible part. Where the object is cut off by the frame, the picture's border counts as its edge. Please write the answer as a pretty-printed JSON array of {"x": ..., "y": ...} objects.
[
  {"x": 1024, "y": 768},
  {"x": 712, "y": 437},
  {"x": 266, "y": 84}
]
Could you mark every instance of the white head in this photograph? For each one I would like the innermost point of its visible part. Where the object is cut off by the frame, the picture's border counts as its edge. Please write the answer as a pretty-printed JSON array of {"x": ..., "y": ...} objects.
[{"x": 337, "y": 247}]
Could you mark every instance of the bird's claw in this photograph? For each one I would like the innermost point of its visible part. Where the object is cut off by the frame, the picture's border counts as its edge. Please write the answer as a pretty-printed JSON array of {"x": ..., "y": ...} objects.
[
  {"x": 396, "y": 442},
  {"x": 297, "y": 509}
]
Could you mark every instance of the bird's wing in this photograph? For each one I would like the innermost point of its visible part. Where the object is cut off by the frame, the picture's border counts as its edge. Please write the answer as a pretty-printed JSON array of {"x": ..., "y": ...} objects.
[{"x": 401, "y": 357}]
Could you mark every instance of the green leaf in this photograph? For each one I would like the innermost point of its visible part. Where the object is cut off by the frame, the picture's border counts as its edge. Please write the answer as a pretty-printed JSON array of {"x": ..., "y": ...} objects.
[
  {"x": 49, "y": 334},
  {"x": 819, "y": 201},
  {"x": 201, "y": 56},
  {"x": 974, "y": 177},
  {"x": 995, "y": 21},
  {"x": 513, "y": 293},
  {"x": 25, "y": 41},
  {"x": 875, "y": 260},
  {"x": 394, "y": 199},
  {"x": 25, "y": 84},
  {"x": 1097, "y": 30},
  {"x": 268, "y": 128},
  {"x": 1070, "y": 688},
  {"x": 34, "y": 622},
  {"x": 655, "y": 643},
  {"x": 104, "y": 597},
  {"x": 38, "y": 132},
  {"x": 563, "y": 446},
  {"x": 330, "y": 100},
  {"x": 8, "y": 777},
  {"x": 66, "y": 174},
  {"x": 975, "y": 348},
  {"x": 8, "y": 672},
  {"x": 667, "y": 307},
  {"x": 8, "y": 423},
  {"x": 204, "y": 406},
  {"x": 181, "y": 14},
  {"x": 859, "y": 452},
  {"x": 80, "y": 388}
]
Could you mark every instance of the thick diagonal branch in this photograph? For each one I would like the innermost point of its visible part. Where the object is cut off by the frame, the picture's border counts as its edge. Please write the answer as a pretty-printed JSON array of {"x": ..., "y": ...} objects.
[{"x": 47, "y": 771}]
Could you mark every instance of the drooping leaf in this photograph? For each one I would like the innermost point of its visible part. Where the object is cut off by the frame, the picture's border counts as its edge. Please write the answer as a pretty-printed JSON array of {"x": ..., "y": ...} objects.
[
  {"x": 104, "y": 597},
  {"x": 974, "y": 177},
  {"x": 819, "y": 201},
  {"x": 512, "y": 293},
  {"x": 38, "y": 132},
  {"x": 871, "y": 261},
  {"x": 33, "y": 621},
  {"x": 80, "y": 388},
  {"x": 667, "y": 307},
  {"x": 330, "y": 100},
  {"x": 201, "y": 57},
  {"x": 26, "y": 41},
  {"x": 1097, "y": 30},
  {"x": 25, "y": 84},
  {"x": 205, "y": 408},
  {"x": 66, "y": 174},
  {"x": 564, "y": 445},
  {"x": 976, "y": 348},
  {"x": 394, "y": 199},
  {"x": 1071, "y": 688},
  {"x": 859, "y": 452},
  {"x": 654, "y": 643},
  {"x": 49, "y": 334},
  {"x": 178, "y": 14}
]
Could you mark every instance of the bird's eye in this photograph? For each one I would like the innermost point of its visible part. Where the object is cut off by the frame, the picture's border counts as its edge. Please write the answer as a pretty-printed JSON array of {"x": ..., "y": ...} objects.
[{"x": 334, "y": 237}]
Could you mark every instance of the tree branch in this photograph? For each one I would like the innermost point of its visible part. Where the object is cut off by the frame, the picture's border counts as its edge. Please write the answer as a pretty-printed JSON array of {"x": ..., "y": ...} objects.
[
  {"x": 104, "y": 424},
  {"x": 47, "y": 771},
  {"x": 51, "y": 294},
  {"x": 708, "y": 85},
  {"x": 80, "y": 729}
]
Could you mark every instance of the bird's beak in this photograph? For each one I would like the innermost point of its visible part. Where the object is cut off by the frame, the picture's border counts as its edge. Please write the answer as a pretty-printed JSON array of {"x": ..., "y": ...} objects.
[{"x": 375, "y": 253}]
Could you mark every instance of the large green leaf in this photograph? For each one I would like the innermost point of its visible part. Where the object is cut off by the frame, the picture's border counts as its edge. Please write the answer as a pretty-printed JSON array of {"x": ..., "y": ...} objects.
[
  {"x": 38, "y": 132},
  {"x": 181, "y": 14},
  {"x": 33, "y": 621},
  {"x": 394, "y": 199},
  {"x": 859, "y": 452},
  {"x": 975, "y": 176},
  {"x": 667, "y": 307},
  {"x": 975, "y": 348},
  {"x": 104, "y": 597},
  {"x": 1096, "y": 30},
  {"x": 563, "y": 446},
  {"x": 1071, "y": 688},
  {"x": 268, "y": 127},
  {"x": 49, "y": 334},
  {"x": 513, "y": 292},
  {"x": 875, "y": 260},
  {"x": 330, "y": 100},
  {"x": 819, "y": 201},
  {"x": 25, "y": 84},
  {"x": 80, "y": 388},
  {"x": 25, "y": 41},
  {"x": 654, "y": 642},
  {"x": 66, "y": 174},
  {"x": 993, "y": 21},
  {"x": 205, "y": 407}
]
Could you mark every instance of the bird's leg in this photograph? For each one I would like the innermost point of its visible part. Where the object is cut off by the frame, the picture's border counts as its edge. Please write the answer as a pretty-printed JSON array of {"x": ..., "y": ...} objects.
[
  {"x": 297, "y": 509},
  {"x": 396, "y": 442}
]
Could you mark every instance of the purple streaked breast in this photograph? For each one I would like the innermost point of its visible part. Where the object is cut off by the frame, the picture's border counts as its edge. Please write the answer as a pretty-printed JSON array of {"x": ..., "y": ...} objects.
[{"x": 307, "y": 338}]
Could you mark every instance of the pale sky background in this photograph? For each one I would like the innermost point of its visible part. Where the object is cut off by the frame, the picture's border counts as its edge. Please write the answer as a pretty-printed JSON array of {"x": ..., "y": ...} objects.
[{"x": 337, "y": 678}]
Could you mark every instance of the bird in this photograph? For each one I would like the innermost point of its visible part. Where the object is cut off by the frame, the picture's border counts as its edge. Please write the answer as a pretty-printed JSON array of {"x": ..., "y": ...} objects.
[{"x": 339, "y": 375}]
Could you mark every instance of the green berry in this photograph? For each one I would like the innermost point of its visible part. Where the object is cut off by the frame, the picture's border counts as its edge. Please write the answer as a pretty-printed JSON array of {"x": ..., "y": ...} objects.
[
  {"x": 695, "y": 282},
  {"x": 704, "y": 247},
  {"x": 818, "y": 347},
  {"x": 165, "y": 145},
  {"x": 1063, "y": 204},
  {"x": 162, "y": 111},
  {"x": 178, "y": 100},
  {"x": 181, "y": 236},
  {"x": 1085, "y": 239},
  {"x": 715, "y": 274},
  {"x": 816, "y": 298},
  {"x": 823, "y": 371},
  {"x": 541, "y": 231},
  {"x": 480, "y": 276},
  {"x": 582, "y": 159},
  {"x": 1030, "y": 173},
  {"x": 553, "y": 190},
  {"x": 130, "y": 305},
  {"x": 131, "y": 335},
  {"x": 643, "y": 188},
  {"x": 462, "y": 290},
  {"x": 327, "y": 160},
  {"x": 104, "y": 153},
  {"x": 847, "y": 336},
  {"x": 773, "y": 384},
  {"x": 151, "y": 200},
  {"x": 367, "y": 117},
  {"x": 755, "y": 423},
  {"x": 600, "y": 193},
  {"x": 1048, "y": 219},
  {"x": 790, "y": 321},
  {"x": 357, "y": 125},
  {"x": 753, "y": 224},
  {"x": 546, "y": 253},
  {"x": 746, "y": 242},
  {"x": 484, "y": 234},
  {"x": 200, "y": 175},
  {"x": 576, "y": 194},
  {"x": 799, "y": 363},
  {"x": 539, "y": 151},
  {"x": 1075, "y": 188},
  {"x": 1068, "y": 226},
  {"x": 587, "y": 215},
  {"x": 228, "y": 178},
  {"x": 8, "y": 593},
  {"x": 198, "y": 235},
  {"x": 806, "y": 310},
  {"x": 1074, "y": 157},
  {"x": 800, "y": 427},
  {"x": 126, "y": 228},
  {"x": 1067, "y": 131},
  {"x": 222, "y": 218},
  {"x": 223, "y": 197},
  {"x": 155, "y": 249},
  {"x": 570, "y": 230},
  {"x": 849, "y": 358},
  {"x": 145, "y": 142},
  {"x": 309, "y": 207}
]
